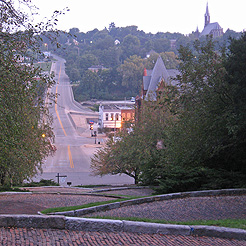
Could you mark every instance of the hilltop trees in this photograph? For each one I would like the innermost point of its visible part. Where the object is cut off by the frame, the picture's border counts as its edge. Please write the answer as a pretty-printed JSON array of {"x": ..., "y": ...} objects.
[
  {"x": 112, "y": 48},
  {"x": 25, "y": 133}
]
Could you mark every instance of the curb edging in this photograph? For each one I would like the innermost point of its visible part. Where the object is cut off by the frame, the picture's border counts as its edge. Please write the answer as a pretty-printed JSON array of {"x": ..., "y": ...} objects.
[{"x": 102, "y": 225}]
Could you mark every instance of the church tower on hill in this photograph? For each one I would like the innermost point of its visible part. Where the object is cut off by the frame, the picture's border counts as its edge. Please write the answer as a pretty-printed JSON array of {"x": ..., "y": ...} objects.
[
  {"x": 207, "y": 17},
  {"x": 213, "y": 29}
]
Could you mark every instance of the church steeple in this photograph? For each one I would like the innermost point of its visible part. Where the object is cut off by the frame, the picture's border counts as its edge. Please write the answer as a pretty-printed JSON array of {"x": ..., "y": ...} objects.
[{"x": 207, "y": 16}]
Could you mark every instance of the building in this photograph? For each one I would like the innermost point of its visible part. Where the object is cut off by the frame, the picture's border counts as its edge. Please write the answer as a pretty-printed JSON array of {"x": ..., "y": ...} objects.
[
  {"x": 213, "y": 29},
  {"x": 114, "y": 116},
  {"x": 153, "y": 79}
]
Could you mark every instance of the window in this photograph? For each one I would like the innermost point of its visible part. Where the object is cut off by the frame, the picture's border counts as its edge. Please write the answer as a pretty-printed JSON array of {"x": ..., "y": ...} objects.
[
  {"x": 112, "y": 116},
  {"x": 116, "y": 116},
  {"x": 106, "y": 116}
]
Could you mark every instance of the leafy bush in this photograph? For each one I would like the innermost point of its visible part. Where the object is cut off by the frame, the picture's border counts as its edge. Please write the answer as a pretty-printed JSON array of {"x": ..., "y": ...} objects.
[
  {"x": 42, "y": 182},
  {"x": 179, "y": 179},
  {"x": 8, "y": 188}
]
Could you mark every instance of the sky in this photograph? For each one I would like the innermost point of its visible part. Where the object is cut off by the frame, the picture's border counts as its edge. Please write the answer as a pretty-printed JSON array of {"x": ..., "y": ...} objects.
[{"x": 153, "y": 16}]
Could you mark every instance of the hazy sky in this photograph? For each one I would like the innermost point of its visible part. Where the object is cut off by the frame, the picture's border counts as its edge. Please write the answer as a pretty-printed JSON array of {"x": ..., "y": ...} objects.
[{"x": 153, "y": 16}]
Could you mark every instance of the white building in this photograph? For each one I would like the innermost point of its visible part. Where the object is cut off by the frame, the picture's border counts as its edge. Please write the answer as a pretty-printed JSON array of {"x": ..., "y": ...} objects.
[{"x": 109, "y": 117}]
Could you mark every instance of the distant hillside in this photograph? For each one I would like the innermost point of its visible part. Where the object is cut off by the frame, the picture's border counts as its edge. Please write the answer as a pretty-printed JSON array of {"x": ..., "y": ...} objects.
[{"x": 120, "y": 51}]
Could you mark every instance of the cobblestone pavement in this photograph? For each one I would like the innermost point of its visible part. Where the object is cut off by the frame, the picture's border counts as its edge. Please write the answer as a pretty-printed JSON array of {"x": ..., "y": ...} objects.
[
  {"x": 32, "y": 203},
  {"x": 186, "y": 209},
  {"x": 33, "y": 237}
]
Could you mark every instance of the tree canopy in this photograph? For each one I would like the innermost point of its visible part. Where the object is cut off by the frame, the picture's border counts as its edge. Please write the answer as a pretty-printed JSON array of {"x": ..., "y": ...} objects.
[{"x": 26, "y": 137}]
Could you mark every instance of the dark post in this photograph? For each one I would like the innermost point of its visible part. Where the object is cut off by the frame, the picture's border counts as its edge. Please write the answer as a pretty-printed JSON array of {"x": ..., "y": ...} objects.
[
  {"x": 95, "y": 134},
  {"x": 60, "y": 176}
]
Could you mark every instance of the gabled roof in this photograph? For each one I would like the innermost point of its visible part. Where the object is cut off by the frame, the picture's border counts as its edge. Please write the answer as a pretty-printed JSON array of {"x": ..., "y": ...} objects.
[
  {"x": 146, "y": 82},
  {"x": 208, "y": 28},
  {"x": 159, "y": 72}
]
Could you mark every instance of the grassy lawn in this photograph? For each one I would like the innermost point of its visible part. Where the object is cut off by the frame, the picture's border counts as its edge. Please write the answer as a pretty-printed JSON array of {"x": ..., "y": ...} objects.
[{"x": 88, "y": 205}]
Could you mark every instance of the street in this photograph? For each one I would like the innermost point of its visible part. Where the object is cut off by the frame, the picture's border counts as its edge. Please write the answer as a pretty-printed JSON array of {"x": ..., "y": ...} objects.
[{"x": 74, "y": 149}]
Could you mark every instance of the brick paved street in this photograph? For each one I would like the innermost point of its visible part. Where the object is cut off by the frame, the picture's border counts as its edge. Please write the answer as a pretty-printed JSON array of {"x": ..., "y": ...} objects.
[{"x": 50, "y": 237}]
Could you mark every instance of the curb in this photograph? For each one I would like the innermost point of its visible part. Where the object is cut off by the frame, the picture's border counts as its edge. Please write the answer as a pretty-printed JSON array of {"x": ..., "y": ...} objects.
[
  {"x": 102, "y": 225},
  {"x": 113, "y": 205}
]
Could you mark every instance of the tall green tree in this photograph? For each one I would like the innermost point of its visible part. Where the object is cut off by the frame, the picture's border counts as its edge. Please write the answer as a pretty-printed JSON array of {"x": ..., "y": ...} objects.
[
  {"x": 235, "y": 66},
  {"x": 132, "y": 73},
  {"x": 207, "y": 136},
  {"x": 25, "y": 133}
]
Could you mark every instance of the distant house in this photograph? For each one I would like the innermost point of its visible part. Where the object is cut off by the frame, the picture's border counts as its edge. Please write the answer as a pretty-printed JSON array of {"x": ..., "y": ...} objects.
[
  {"x": 213, "y": 29},
  {"x": 116, "y": 42},
  {"x": 151, "y": 52},
  {"x": 96, "y": 68}
]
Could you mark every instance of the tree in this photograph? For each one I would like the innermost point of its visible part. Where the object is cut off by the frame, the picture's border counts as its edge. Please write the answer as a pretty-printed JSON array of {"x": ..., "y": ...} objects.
[
  {"x": 170, "y": 60},
  {"x": 235, "y": 66},
  {"x": 118, "y": 157},
  {"x": 205, "y": 137},
  {"x": 130, "y": 46},
  {"x": 132, "y": 73},
  {"x": 141, "y": 153},
  {"x": 25, "y": 133},
  {"x": 89, "y": 86}
]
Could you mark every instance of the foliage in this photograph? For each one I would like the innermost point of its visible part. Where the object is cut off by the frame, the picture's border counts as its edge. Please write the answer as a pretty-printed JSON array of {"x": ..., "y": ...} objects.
[
  {"x": 136, "y": 153},
  {"x": 25, "y": 133},
  {"x": 205, "y": 125},
  {"x": 192, "y": 137},
  {"x": 177, "y": 178},
  {"x": 118, "y": 157},
  {"x": 42, "y": 182},
  {"x": 132, "y": 73},
  {"x": 14, "y": 189},
  {"x": 207, "y": 143},
  {"x": 113, "y": 47}
]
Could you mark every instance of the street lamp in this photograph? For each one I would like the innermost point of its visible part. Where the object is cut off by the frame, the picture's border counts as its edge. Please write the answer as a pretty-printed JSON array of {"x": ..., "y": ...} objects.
[{"x": 46, "y": 46}]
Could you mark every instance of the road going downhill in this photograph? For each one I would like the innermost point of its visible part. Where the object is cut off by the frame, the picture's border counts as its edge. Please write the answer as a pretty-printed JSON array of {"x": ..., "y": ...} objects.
[{"x": 72, "y": 158}]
